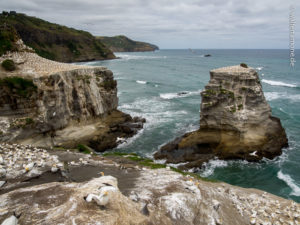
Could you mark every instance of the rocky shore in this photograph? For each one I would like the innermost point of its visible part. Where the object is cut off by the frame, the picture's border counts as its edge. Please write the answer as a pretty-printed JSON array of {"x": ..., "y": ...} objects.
[
  {"x": 235, "y": 123},
  {"x": 141, "y": 195}
]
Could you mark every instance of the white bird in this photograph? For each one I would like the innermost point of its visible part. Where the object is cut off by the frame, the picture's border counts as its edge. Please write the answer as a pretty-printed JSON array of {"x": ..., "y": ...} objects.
[
  {"x": 10, "y": 221},
  {"x": 253, "y": 153},
  {"x": 1, "y": 160},
  {"x": 54, "y": 169},
  {"x": 103, "y": 198},
  {"x": 29, "y": 167}
]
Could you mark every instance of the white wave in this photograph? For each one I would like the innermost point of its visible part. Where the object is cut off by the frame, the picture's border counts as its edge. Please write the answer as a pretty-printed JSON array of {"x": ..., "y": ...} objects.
[
  {"x": 141, "y": 82},
  {"x": 278, "y": 83},
  {"x": 259, "y": 68},
  {"x": 155, "y": 111},
  {"x": 290, "y": 182},
  {"x": 211, "y": 165},
  {"x": 181, "y": 94},
  {"x": 281, "y": 95},
  {"x": 130, "y": 140},
  {"x": 137, "y": 57}
]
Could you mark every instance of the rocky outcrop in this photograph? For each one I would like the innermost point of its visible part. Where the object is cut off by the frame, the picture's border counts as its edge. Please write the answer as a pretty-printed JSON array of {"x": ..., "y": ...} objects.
[
  {"x": 53, "y": 41},
  {"x": 137, "y": 194},
  {"x": 46, "y": 103},
  {"x": 235, "y": 122},
  {"x": 122, "y": 43}
]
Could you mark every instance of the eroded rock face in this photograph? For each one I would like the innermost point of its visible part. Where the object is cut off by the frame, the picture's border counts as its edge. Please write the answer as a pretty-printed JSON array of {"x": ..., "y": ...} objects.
[
  {"x": 235, "y": 122},
  {"x": 46, "y": 103}
]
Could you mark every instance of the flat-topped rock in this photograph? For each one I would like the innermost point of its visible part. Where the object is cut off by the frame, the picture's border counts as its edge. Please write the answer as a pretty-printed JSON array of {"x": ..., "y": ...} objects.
[
  {"x": 235, "y": 122},
  {"x": 47, "y": 103}
]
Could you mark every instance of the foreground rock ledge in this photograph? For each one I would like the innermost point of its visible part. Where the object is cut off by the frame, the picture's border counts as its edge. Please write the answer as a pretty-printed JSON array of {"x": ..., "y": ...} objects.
[
  {"x": 235, "y": 122},
  {"x": 141, "y": 196}
]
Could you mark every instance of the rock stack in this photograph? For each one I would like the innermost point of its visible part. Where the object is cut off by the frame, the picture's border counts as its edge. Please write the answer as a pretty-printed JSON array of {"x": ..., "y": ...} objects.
[{"x": 235, "y": 122}]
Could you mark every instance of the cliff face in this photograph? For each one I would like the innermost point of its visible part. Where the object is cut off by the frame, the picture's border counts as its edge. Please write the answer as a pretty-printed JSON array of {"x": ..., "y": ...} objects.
[
  {"x": 235, "y": 122},
  {"x": 124, "y": 44},
  {"x": 56, "y": 42},
  {"x": 46, "y": 103}
]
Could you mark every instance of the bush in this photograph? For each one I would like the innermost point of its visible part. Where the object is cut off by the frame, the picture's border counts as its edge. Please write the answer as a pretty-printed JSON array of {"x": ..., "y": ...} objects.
[
  {"x": 8, "y": 65},
  {"x": 244, "y": 65}
]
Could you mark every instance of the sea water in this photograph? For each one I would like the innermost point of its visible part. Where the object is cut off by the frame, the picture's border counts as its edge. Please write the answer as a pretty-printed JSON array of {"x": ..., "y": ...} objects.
[{"x": 164, "y": 87}]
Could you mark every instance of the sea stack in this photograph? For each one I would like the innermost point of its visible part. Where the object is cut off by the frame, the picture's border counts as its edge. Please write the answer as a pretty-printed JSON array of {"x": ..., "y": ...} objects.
[{"x": 235, "y": 122}]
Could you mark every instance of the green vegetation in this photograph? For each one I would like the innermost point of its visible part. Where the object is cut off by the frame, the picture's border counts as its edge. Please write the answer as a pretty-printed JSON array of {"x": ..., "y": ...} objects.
[
  {"x": 122, "y": 43},
  {"x": 29, "y": 120},
  {"x": 230, "y": 94},
  {"x": 109, "y": 84},
  {"x": 240, "y": 106},
  {"x": 21, "y": 86},
  {"x": 149, "y": 163},
  {"x": 83, "y": 149},
  {"x": 209, "y": 93},
  {"x": 8, "y": 36},
  {"x": 232, "y": 109},
  {"x": 239, "y": 97},
  {"x": 8, "y": 65},
  {"x": 50, "y": 40},
  {"x": 244, "y": 88},
  {"x": 244, "y": 65}
]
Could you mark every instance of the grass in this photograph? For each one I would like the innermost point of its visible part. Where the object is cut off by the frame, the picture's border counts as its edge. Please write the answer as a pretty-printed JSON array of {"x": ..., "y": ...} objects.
[
  {"x": 244, "y": 65},
  {"x": 8, "y": 65},
  {"x": 240, "y": 106},
  {"x": 83, "y": 149},
  {"x": 152, "y": 165},
  {"x": 23, "y": 87},
  {"x": 109, "y": 84}
]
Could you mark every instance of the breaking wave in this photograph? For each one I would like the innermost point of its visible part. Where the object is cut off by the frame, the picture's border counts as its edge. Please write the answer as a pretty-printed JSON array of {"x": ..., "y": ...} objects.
[
  {"x": 290, "y": 182},
  {"x": 278, "y": 83},
  {"x": 181, "y": 94}
]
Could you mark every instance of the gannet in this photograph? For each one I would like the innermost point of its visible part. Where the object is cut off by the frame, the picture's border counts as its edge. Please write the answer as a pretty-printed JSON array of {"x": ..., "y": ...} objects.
[
  {"x": 253, "y": 153},
  {"x": 10, "y": 221},
  {"x": 54, "y": 169},
  {"x": 103, "y": 198},
  {"x": 1, "y": 160},
  {"x": 29, "y": 167}
]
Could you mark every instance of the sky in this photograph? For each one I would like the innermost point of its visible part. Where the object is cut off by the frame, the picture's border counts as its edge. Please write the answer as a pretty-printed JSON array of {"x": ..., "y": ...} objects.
[{"x": 174, "y": 24}]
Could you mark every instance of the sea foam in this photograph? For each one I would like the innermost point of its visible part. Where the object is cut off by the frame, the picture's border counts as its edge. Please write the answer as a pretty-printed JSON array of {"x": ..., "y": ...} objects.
[
  {"x": 141, "y": 82},
  {"x": 290, "y": 182},
  {"x": 181, "y": 94},
  {"x": 278, "y": 83}
]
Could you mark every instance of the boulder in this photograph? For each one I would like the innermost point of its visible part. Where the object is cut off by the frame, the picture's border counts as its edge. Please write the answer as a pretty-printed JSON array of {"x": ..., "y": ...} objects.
[{"x": 235, "y": 122}]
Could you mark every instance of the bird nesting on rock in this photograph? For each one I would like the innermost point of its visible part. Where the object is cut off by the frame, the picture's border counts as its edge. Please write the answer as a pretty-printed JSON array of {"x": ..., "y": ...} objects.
[{"x": 103, "y": 198}]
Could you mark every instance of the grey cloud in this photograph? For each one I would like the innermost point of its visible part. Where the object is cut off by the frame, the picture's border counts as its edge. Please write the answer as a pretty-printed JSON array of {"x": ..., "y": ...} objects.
[{"x": 176, "y": 23}]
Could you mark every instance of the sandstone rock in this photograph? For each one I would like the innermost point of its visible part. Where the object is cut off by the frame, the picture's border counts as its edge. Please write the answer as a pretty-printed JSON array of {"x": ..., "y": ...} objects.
[
  {"x": 48, "y": 104},
  {"x": 235, "y": 122}
]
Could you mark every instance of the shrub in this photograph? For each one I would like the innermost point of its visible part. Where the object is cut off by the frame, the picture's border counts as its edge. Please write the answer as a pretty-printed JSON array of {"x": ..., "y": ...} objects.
[
  {"x": 244, "y": 65},
  {"x": 8, "y": 65},
  {"x": 84, "y": 149}
]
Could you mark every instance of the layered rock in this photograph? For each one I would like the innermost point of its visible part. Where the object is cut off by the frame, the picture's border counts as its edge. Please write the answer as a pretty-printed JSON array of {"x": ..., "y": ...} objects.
[
  {"x": 235, "y": 122},
  {"x": 46, "y": 103}
]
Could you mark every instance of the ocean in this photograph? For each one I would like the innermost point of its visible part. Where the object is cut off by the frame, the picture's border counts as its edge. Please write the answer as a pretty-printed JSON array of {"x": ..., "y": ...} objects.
[{"x": 148, "y": 86}]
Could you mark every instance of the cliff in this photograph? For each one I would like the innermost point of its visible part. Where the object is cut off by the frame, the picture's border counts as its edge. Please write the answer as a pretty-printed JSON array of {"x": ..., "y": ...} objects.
[
  {"x": 136, "y": 193},
  {"x": 46, "y": 103},
  {"x": 53, "y": 41},
  {"x": 235, "y": 122},
  {"x": 122, "y": 43}
]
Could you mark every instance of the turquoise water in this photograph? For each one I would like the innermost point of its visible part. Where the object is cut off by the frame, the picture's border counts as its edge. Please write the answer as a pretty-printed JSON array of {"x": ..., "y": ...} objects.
[{"x": 148, "y": 84}]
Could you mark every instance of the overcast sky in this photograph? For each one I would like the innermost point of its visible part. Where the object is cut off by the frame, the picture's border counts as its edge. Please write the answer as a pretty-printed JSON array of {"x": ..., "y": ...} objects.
[{"x": 174, "y": 23}]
